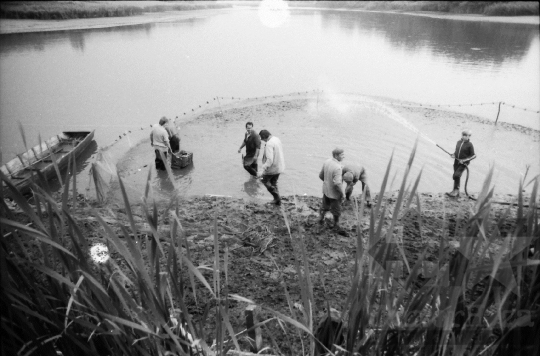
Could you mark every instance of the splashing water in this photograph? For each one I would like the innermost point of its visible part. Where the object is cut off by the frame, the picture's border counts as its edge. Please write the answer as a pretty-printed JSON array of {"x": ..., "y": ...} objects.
[{"x": 382, "y": 109}]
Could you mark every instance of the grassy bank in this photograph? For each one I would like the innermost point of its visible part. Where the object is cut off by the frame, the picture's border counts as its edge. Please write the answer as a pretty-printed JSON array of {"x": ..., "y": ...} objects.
[
  {"x": 477, "y": 295},
  {"x": 489, "y": 8},
  {"x": 62, "y": 10}
]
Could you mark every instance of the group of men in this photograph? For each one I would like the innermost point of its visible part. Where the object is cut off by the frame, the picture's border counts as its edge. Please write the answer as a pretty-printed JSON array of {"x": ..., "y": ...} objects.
[
  {"x": 333, "y": 172},
  {"x": 165, "y": 140},
  {"x": 273, "y": 159}
]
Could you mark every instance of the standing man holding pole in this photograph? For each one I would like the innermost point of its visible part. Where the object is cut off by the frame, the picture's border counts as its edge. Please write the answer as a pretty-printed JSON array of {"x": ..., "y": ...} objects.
[
  {"x": 463, "y": 154},
  {"x": 273, "y": 164},
  {"x": 252, "y": 142},
  {"x": 331, "y": 175}
]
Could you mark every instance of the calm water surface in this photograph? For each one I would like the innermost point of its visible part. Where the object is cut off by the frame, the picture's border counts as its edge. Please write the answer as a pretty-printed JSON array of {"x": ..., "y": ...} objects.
[{"x": 120, "y": 79}]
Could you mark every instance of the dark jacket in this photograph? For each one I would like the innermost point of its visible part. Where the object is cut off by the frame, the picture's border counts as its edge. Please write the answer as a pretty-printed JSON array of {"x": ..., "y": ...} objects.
[{"x": 464, "y": 150}]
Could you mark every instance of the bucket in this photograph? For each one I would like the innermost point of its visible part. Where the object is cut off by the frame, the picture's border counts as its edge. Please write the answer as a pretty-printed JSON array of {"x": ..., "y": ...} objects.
[{"x": 181, "y": 159}]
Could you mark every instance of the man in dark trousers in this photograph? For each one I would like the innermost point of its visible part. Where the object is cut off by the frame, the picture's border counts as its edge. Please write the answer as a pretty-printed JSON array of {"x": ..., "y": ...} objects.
[
  {"x": 353, "y": 173},
  {"x": 332, "y": 176},
  {"x": 252, "y": 142},
  {"x": 159, "y": 139},
  {"x": 463, "y": 154},
  {"x": 273, "y": 164}
]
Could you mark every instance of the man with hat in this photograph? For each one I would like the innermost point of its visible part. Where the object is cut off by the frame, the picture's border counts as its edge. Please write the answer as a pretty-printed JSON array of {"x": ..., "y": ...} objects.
[
  {"x": 332, "y": 177},
  {"x": 351, "y": 175}
]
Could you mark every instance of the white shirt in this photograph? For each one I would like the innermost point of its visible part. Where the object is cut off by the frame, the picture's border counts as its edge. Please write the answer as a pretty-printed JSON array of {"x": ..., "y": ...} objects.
[
  {"x": 273, "y": 160},
  {"x": 159, "y": 136}
]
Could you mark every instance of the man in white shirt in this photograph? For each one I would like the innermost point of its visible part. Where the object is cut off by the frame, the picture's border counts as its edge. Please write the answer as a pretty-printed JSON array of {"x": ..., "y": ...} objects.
[
  {"x": 332, "y": 176},
  {"x": 159, "y": 139},
  {"x": 273, "y": 164}
]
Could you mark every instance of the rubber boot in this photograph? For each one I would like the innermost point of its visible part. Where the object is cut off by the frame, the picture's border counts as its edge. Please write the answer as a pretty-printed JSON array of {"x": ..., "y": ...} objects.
[
  {"x": 336, "y": 222},
  {"x": 348, "y": 196},
  {"x": 277, "y": 199},
  {"x": 321, "y": 217}
]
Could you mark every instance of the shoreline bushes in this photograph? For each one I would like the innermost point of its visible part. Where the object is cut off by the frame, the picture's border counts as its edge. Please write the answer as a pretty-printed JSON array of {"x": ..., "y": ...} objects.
[
  {"x": 488, "y": 8},
  {"x": 79, "y": 10}
]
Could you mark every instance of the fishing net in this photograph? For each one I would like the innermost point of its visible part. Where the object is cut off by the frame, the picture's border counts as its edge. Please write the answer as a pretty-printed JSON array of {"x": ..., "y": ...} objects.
[{"x": 102, "y": 173}]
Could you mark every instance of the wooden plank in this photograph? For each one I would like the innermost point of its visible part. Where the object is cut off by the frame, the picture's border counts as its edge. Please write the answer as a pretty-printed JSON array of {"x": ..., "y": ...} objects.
[
  {"x": 254, "y": 333},
  {"x": 20, "y": 159}
]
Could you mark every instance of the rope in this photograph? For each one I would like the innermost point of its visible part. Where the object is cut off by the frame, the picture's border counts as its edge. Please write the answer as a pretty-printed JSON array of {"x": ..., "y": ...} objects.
[
  {"x": 517, "y": 107},
  {"x": 460, "y": 105}
]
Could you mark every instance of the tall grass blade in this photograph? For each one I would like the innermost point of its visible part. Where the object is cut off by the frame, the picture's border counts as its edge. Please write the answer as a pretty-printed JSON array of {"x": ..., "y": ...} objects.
[
  {"x": 74, "y": 168},
  {"x": 55, "y": 163},
  {"x": 198, "y": 274},
  {"x": 71, "y": 299},
  {"x": 21, "y": 130},
  {"x": 127, "y": 207},
  {"x": 65, "y": 194},
  {"x": 22, "y": 202},
  {"x": 383, "y": 185}
]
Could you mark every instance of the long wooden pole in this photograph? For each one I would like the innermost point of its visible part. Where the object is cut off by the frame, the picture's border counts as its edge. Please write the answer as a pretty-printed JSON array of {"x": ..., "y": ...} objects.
[{"x": 498, "y": 113}]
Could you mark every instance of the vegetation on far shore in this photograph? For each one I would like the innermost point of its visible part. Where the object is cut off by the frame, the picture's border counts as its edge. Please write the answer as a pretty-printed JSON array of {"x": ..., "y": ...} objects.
[
  {"x": 60, "y": 10},
  {"x": 482, "y": 297},
  {"x": 63, "y": 10},
  {"x": 488, "y": 8}
]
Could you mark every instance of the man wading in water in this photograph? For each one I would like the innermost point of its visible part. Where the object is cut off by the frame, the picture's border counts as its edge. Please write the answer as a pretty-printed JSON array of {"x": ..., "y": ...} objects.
[
  {"x": 159, "y": 139},
  {"x": 273, "y": 164},
  {"x": 253, "y": 145},
  {"x": 462, "y": 156}
]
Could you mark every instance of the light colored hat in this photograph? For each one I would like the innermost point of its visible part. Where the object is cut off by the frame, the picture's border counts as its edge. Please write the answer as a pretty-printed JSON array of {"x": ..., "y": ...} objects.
[{"x": 348, "y": 177}]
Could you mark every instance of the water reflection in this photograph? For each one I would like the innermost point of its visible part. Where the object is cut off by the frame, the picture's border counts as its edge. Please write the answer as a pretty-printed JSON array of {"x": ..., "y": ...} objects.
[
  {"x": 183, "y": 178},
  {"x": 252, "y": 187},
  {"x": 462, "y": 41},
  {"x": 23, "y": 42},
  {"x": 76, "y": 38}
]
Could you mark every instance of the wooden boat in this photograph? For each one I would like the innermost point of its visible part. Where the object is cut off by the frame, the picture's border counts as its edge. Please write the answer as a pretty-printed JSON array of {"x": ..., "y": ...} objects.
[{"x": 22, "y": 170}]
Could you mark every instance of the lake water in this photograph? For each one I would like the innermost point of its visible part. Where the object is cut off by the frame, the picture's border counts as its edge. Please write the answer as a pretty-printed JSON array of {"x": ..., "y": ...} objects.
[{"x": 122, "y": 79}]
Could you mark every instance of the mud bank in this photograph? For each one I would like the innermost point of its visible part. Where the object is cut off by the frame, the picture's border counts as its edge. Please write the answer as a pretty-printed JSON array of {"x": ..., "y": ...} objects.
[{"x": 260, "y": 246}]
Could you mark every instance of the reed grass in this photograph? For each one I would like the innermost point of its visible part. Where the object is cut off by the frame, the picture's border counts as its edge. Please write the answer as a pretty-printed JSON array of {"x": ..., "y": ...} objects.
[
  {"x": 63, "y": 10},
  {"x": 483, "y": 298}
]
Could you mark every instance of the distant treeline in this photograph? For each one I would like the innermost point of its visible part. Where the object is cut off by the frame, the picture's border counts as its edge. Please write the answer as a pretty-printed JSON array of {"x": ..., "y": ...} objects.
[
  {"x": 63, "y": 10},
  {"x": 489, "y": 8}
]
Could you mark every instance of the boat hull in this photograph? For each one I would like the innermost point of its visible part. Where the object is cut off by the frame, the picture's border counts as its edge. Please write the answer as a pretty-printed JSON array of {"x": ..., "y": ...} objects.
[{"x": 23, "y": 170}]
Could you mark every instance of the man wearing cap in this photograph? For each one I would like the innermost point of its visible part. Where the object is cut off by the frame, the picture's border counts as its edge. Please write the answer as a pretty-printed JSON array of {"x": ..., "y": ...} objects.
[
  {"x": 252, "y": 142},
  {"x": 463, "y": 154},
  {"x": 159, "y": 139},
  {"x": 331, "y": 174},
  {"x": 352, "y": 174},
  {"x": 174, "y": 137},
  {"x": 273, "y": 164}
]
